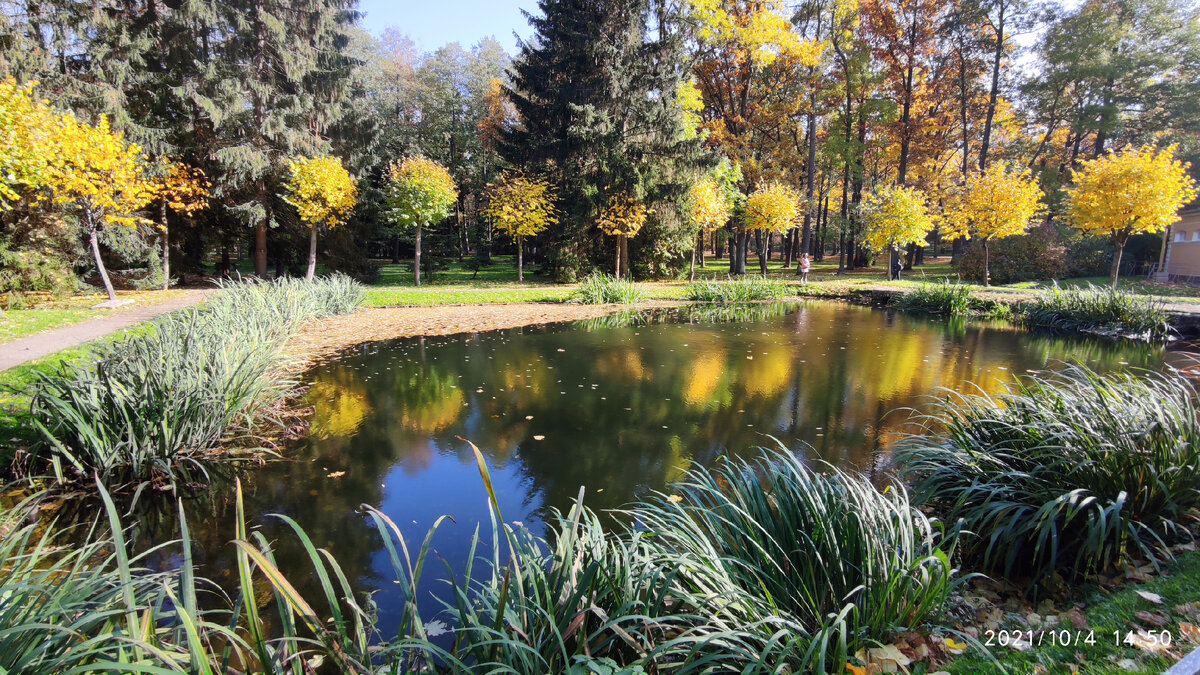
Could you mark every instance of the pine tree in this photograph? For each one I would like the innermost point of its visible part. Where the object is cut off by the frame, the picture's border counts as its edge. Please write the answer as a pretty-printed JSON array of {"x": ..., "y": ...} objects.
[{"x": 595, "y": 93}]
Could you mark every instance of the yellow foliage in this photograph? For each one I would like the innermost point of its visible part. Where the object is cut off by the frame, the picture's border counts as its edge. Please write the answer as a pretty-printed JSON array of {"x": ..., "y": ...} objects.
[
  {"x": 897, "y": 216},
  {"x": 702, "y": 377},
  {"x": 996, "y": 204},
  {"x": 520, "y": 205},
  {"x": 28, "y": 145},
  {"x": 762, "y": 27},
  {"x": 623, "y": 216},
  {"x": 691, "y": 103},
  {"x": 773, "y": 207},
  {"x": 321, "y": 190},
  {"x": 339, "y": 406},
  {"x": 100, "y": 175},
  {"x": 419, "y": 191},
  {"x": 707, "y": 205},
  {"x": 1138, "y": 190},
  {"x": 184, "y": 188}
]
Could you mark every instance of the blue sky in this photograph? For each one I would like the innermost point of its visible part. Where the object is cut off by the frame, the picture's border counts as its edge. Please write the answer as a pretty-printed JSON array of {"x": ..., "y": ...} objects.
[{"x": 433, "y": 23}]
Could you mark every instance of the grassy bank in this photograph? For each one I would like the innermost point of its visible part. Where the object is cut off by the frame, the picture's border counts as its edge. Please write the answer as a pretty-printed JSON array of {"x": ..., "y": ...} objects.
[{"x": 150, "y": 406}]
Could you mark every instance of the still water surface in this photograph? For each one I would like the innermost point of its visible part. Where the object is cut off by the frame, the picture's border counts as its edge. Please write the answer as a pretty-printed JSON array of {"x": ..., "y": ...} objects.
[{"x": 622, "y": 410}]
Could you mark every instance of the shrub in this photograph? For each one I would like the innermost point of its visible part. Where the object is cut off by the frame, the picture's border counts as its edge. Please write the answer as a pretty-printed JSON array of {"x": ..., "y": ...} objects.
[
  {"x": 30, "y": 270},
  {"x": 1100, "y": 310},
  {"x": 601, "y": 289},
  {"x": 951, "y": 299},
  {"x": 742, "y": 289},
  {"x": 1066, "y": 472},
  {"x": 823, "y": 553},
  {"x": 148, "y": 407},
  {"x": 1036, "y": 256}
]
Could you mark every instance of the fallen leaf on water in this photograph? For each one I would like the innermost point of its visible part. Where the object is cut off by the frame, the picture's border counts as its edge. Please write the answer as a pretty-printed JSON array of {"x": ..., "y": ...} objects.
[
  {"x": 337, "y": 474},
  {"x": 1151, "y": 597},
  {"x": 529, "y": 417},
  {"x": 539, "y": 437}
]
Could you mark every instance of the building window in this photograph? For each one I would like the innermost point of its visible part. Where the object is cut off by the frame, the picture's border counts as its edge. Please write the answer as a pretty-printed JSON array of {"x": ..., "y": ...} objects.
[
  {"x": 1180, "y": 236},
  {"x": 1196, "y": 235}
]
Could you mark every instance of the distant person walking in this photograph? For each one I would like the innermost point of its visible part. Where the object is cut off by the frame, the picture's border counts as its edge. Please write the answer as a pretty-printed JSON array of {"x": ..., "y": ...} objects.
[
  {"x": 897, "y": 266},
  {"x": 805, "y": 266}
]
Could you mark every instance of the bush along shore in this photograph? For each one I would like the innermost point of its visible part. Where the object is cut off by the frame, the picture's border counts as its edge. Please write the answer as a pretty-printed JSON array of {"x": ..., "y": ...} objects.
[
  {"x": 150, "y": 408},
  {"x": 1094, "y": 310},
  {"x": 765, "y": 566}
]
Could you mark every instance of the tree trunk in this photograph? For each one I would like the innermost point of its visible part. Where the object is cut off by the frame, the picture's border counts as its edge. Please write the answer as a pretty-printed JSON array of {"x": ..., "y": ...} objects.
[
  {"x": 417, "y": 258},
  {"x": 701, "y": 247},
  {"x": 692, "y": 268},
  {"x": 810, "y": 180},
  {"x": 166, "y": 246},
  {"x": 520, "y": 260},
  {"x": 108, "y": 287},
  {"x": 312, "y": 254},
  {"x": 396, "y": 249},
  {"x": 617, "y": 265},
  {"x": 1118, "y": 250},
  {"x": 260, "y": 249},
  {"x": 987, "y": 274},
  {"x": 625, "y": 274},
  {"x": 993, "y": 94},
  {"x": 764, "y": 250}
]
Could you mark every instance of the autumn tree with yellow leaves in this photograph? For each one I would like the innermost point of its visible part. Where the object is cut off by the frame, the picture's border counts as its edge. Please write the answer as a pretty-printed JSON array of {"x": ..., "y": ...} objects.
[
  {"x": 102, "y": 179},
  {"x": 184, "y": 190},
  {"x": 521, "y": 206},
  {"x": 418, "y": 192},
  {"x": 324, "y": 194},
  {"x": 28, "y": 142},
  {"x": 622, "y": 218},
  {"x": 708, "y": 208},
  {"x": 895, "y": 217},
  {"x": 994, "y": 204},
  {"x": 772, "y": 207},
  {"x": 1135, "y": 191}
]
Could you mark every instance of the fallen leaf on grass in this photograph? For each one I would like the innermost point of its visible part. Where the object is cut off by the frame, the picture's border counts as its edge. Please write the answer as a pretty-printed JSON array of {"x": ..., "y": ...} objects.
[
  {"x": 955, "y": 647},
  {"x": 1146, "y": 641},
  {"x": 855, "y": 670},
  {"x": 1128, "y": 664},
  {"x": 1157, "y": 619},
  {"x": 1189, "y": 632},
  {"x": 1076, "y": 619},
  {"x": 1151, "y": 597}
]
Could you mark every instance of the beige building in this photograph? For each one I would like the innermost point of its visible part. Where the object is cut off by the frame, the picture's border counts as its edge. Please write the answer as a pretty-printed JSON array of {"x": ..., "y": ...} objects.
[{"x": 1180, "y": 258}]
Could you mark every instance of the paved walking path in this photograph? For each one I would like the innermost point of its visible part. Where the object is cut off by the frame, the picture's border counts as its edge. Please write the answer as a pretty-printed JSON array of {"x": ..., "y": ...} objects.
[{"x": 23, "y": 350}]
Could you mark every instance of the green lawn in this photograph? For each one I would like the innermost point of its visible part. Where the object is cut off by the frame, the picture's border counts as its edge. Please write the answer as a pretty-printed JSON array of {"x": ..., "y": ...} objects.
[
  {"x": 49, "y": 314},
  {"x": 1105, "y": 613}
]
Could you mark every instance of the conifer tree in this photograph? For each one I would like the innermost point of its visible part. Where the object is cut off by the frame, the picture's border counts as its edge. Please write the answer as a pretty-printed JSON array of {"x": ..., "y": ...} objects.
[{"x": 595, "y": 91}]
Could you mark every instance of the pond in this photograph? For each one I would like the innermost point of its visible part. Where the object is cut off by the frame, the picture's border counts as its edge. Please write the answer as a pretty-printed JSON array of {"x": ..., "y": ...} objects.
[{"x": 622, "y": 406}]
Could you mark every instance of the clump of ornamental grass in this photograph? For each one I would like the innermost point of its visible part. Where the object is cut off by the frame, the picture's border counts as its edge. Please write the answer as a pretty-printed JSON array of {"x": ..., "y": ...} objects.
[
  {"x": 1100, "y": 310},
  {"x": 742, "y": 289},
  {"x": 1066, "y": 472},
  {"x": 151, "y": 406},
  {"x": 943, "y": 297},
  {"x": 821, "y": 555},
  {"x": 602, "y": 289}
]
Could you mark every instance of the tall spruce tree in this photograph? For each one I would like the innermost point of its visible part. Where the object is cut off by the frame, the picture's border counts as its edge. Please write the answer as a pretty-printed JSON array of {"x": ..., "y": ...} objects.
[{"x": 595, "y": 90}]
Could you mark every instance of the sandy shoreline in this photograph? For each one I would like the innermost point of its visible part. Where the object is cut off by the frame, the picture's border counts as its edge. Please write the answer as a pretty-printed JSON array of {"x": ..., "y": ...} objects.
[{"x": 319, "y": 340}]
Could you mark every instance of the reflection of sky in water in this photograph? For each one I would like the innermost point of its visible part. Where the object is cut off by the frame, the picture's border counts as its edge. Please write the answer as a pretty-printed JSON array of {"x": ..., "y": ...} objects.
[{"x": 622, "y": 409}]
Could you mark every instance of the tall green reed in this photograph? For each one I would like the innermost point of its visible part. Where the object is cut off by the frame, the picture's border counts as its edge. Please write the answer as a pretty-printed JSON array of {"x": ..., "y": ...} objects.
[
  {"x": 1066, "y": 472},
  {"x": 602, "y": 289},
  {"x": 148, "y": 408},
  {"x": 741, "y": 289},
  {"x": 1098, "y": 309}
]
